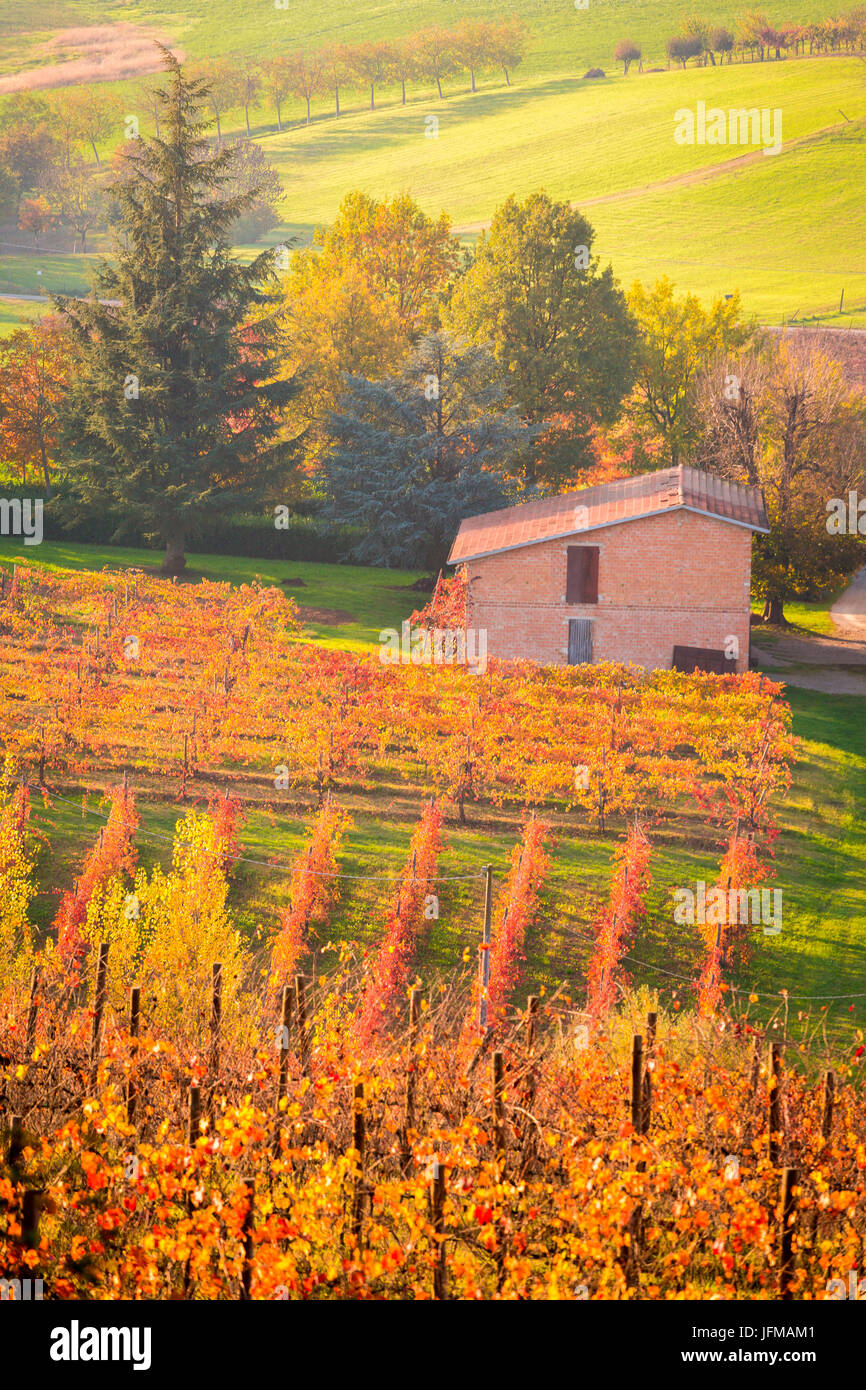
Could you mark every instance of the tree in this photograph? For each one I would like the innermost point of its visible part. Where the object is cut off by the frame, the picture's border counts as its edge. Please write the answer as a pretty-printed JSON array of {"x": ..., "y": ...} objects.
[
  {"x": 99, "y": 114},
  {"x": 474, "y": 46},
  {"x": 35, "y": 369},
  {"x": 174, "y": 410},
  {"x": 336, "y": 62},
  {"x": 78, "y": 199},
  {"x": 30, "y": 156},
  {"x": 677, "y": 338},
  {"x": 779, "y": 417},
  {"x": 148, "y": 96},
  {"x": 404, "y": 62},
  {"x": 721, "y": 41},
  {"x": 250, "y": 85},
  {"x": 9, "y": 194},
  {"x": 223, "y": 84},
  {"x": 304, "y": 76},
  {"x": 406, "y": 255},
  {"x": 412, "y": 455},
  {"x": 436, "y": 57},
  {"x": 356, "y": 300},
  {"x": 557, "y": 324},
  {"x": 34, "y": 215},
  {"x": 253, "y": 176},
  {"x": 371, "y": 62},
  {"x": 510, "y": 37},
  {"x": 277, "y": 83},
  {"x": 67, "y": 114},
  {"x": 626, "y": 52},
  {"x": 682, "y": 47}
]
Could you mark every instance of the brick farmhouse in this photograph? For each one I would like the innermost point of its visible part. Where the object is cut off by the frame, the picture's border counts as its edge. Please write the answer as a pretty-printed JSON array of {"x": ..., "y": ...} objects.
[{"x": 653, "y": 569}]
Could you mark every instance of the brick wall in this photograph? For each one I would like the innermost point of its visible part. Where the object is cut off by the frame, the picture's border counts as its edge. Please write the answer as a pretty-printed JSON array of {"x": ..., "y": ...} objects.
[{"x": 677, "y": 579}]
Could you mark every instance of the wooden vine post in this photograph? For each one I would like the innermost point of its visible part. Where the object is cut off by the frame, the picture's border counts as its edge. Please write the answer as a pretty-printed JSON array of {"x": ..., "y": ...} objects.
[
  {"x": 247, "y": 1235},
  {"x": 437, "y": 1211},
  {"x": 484, "y": 961},
  {"x": 411, "y": 1078},
  {"x": 301, "y": 1016},
  {"x": 98, "y": 1008},
  {"x": 788, "y": 1221},
  {"x": 134, "y": 1026},
  {"x": 774, "y": 1082},
  {"x": 216, "y": 1016},
  {"x": 359, "y": 1144}
]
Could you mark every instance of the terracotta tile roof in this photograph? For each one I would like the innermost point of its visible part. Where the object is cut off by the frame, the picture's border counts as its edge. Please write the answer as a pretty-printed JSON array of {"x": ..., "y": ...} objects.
[{"x": 608, "y": 504}]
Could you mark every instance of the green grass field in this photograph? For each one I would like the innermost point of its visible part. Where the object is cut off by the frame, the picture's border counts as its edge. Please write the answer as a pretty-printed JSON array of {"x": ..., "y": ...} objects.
[
  {"x": 563, "y": 36},
  {"x": 785, "y": 231},
  {"x": 819, "y": 855}
]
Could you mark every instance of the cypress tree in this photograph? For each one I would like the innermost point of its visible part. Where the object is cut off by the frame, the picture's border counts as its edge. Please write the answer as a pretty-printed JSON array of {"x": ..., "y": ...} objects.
[{"x": 173, "y": 416}]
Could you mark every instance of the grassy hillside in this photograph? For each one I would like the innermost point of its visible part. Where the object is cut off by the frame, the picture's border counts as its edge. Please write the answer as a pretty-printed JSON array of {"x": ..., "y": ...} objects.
[{"x": 565, "y": 38}]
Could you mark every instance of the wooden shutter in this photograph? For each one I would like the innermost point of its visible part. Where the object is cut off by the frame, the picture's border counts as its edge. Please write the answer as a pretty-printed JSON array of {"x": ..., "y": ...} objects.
[
  {"x": 703, "y": 659},
  {"x": 579, "y": 641},
  {"x": 581, "y": 580}
]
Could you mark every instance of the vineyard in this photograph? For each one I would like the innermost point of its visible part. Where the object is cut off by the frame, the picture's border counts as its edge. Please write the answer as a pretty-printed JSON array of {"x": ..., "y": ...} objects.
[{"x": 192, "y": 1107}]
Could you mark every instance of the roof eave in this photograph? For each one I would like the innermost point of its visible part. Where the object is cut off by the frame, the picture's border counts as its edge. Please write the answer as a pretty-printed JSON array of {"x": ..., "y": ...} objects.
[{"x": 604, "y": 526}]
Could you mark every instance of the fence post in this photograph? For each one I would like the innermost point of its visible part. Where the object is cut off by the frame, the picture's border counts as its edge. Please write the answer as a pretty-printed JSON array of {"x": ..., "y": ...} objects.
[
  {"x": 301, "y": 1015},
  {"x": 134, "y": 1019},
  {"x": 498, "y": 1131},
  {"x": 98, "y": 1006},
  {"x": 646, "y": 1099},
  {"x": 285, "y": 1040},
  {"x": 531, "y": 1021},
  {"x": 359, "y": 1145},
  {"x": 485, "y": 946},
  {"x": 774, "y": 1082},
  {"x": 788, "y": 1220},
  {"x": 636, "y": 1081},
  {"x": 247, "y": 1233},
  {"x": 829, "y": 1094},
  {"x": 409, "y": 1118},
  {"x": 437, "y": 1203},
  {"x": 216, "y": 1015},
  {"x": 32, "y": 1011}
]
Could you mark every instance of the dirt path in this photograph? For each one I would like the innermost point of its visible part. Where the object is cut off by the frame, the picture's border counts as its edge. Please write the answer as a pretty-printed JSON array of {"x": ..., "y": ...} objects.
[
  {"x": 714, "y": 171},
  {"x": 849, "y": 611},
  {"x": 835, "y": 664}
]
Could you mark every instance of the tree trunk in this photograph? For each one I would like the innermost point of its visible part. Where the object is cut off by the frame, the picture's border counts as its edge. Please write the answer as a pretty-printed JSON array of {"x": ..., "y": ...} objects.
[
  {"x": 247, "y": 119},
  {"x": 279, "y": 117},
  {"x": 45, "y": 472},
  {"x": 95, "y": 152},
  {"x": 372, "y": 97},
  {"x": 507, "y": 78},
  {"x": 472, "y": 76},
  {"x": 439, "y": 85},
  {"x": 337, "y": 99},
  {"x": 175, "y": 559},
  {"x": 403, "y": 85},
  {"x": 219, "y": 132},
  {"x": 308, "y": 110},
  {"x": 774, "y": 611}
]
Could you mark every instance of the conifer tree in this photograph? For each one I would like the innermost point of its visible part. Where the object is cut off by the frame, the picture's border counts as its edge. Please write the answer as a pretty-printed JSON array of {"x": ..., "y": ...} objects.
[{"x": 174, "y": 414}]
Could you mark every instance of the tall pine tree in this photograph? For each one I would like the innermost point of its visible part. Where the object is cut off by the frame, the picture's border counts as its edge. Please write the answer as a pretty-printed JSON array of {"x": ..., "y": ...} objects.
[
  {"x": 174, "y": 413},
  {"x": 412, "y": 455}
]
